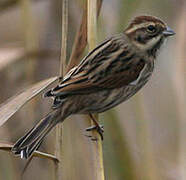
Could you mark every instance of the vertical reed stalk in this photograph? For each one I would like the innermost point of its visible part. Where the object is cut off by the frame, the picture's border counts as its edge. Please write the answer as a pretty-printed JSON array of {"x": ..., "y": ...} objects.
[
  {"x": 92, "y": 39},
  {"x": 58, "y": 148}
]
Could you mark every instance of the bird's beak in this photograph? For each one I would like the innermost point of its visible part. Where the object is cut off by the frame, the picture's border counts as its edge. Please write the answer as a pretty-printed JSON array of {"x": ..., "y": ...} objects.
[{"x": 168, "y": 32}]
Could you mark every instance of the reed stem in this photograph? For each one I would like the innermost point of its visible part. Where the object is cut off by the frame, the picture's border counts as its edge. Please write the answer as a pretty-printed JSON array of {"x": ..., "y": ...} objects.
[
  {"x": 59, "y": 129},
  {"x": 92, "y": 40}
]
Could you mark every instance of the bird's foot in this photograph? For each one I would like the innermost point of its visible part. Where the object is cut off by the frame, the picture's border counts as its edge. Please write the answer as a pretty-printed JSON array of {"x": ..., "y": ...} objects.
[{"x": 98, "y": 128}]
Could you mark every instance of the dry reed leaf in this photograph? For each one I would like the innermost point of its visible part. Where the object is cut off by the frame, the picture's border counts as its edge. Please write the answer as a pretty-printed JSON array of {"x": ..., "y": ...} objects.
[
  {"x": 8, "y": 147},
  {"x": 45, "y": 156},
  {"x": 81, "y": 38},
  {"x": 40, "y": 155},
  {"x": 5, "y": 146},
  {"x": 12, "y": 105}
]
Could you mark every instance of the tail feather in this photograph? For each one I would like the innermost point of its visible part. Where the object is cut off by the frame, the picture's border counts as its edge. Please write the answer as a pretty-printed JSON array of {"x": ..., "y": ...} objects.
[{"x": 31, "y": 141}]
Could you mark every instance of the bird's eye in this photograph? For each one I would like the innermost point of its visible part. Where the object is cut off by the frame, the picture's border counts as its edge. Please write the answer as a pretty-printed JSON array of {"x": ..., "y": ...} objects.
[{"x": 151, "y": 29}]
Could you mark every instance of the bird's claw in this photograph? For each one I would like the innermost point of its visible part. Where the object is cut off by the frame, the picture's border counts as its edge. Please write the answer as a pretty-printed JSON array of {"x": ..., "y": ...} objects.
[{"x": 99, "y": 129}]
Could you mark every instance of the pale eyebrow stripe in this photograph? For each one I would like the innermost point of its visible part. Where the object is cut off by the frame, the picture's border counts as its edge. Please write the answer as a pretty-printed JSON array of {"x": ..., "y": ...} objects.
[{"x": 138, "y": 26}]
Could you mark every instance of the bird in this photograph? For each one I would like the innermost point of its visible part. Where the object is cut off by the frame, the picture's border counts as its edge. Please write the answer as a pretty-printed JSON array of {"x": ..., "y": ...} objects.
[{"x": 110, "y": 74}]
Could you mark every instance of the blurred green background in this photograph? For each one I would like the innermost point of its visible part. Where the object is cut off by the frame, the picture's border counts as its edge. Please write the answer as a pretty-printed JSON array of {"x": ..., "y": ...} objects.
[{"x": 145, "y": 137}]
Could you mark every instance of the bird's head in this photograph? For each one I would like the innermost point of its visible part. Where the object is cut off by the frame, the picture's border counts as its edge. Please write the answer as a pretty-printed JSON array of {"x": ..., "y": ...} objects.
[{"x": 148, "y": 32}]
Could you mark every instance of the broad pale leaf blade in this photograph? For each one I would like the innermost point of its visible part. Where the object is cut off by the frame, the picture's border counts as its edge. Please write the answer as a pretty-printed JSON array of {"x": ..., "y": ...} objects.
[{"x": 12, "y": 105}]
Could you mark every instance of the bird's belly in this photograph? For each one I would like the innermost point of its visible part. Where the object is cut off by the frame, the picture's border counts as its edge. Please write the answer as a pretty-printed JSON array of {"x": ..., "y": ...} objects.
[{"x": 105, "y": 100}]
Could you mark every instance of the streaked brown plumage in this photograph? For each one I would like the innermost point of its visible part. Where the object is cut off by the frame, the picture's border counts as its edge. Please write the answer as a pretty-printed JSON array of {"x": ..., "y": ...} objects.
[{"x": 110, "y": 74}]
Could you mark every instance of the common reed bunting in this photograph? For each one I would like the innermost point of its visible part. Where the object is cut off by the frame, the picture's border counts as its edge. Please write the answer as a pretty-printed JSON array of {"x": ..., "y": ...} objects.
[{"x": 109, "y": 75}]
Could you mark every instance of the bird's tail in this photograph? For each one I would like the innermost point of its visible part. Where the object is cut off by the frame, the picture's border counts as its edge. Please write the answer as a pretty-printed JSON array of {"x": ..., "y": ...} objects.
[{"x": 31, "y": 141}]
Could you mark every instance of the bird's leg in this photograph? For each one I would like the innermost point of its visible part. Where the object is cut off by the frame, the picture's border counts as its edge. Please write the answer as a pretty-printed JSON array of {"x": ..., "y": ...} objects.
[{"x": 97, "y": 127}]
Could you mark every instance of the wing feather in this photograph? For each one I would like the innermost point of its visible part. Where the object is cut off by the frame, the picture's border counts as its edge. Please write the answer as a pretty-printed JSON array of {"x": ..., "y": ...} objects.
[{"x": 110, "y": 65}]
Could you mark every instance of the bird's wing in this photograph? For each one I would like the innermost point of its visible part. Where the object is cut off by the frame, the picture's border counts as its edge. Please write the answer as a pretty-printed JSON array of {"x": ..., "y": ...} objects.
[{"x": 110, "y": 65}]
